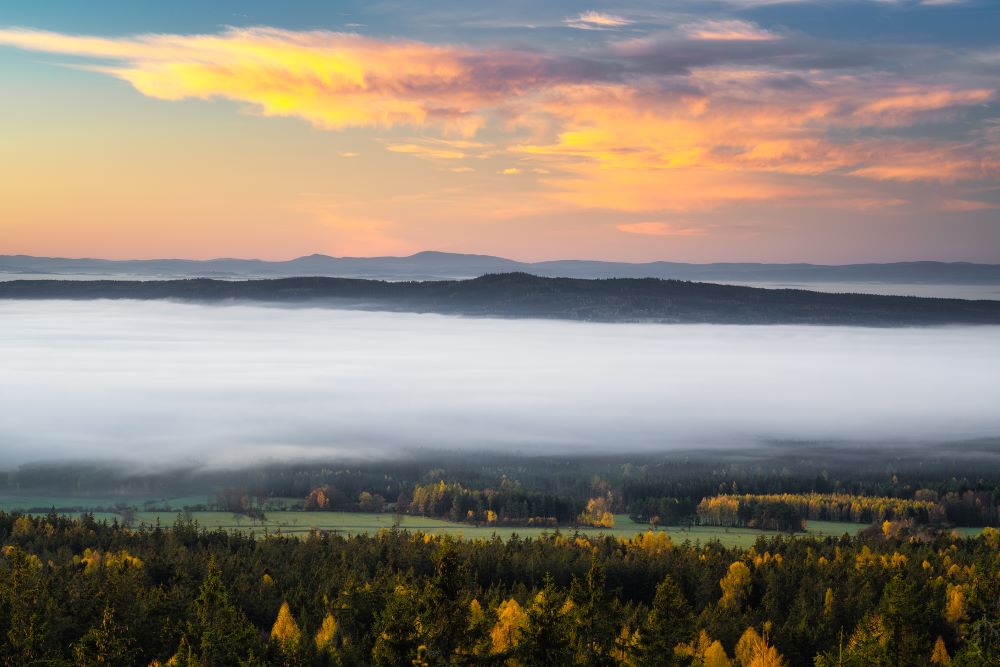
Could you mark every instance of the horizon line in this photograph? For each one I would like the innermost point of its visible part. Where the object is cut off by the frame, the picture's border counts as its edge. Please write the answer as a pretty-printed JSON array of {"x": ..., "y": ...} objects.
[{"x": 488, "y": 256}]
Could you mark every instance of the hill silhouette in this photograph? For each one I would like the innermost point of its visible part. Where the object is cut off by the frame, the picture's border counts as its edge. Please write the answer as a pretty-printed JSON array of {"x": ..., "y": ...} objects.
[{"x": 524, "y": 295}]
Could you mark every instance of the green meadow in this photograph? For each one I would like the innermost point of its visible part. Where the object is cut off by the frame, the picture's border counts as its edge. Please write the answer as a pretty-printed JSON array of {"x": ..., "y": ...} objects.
[{"x": 283, "y": 519}]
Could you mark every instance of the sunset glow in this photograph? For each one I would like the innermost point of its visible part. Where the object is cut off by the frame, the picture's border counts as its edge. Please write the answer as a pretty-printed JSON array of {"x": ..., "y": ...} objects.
[{"x": 733, "y": 133}]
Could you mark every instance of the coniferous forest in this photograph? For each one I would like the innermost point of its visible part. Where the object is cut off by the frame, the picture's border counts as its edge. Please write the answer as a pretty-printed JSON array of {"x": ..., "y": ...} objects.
[{"x": 909, "y": 589}]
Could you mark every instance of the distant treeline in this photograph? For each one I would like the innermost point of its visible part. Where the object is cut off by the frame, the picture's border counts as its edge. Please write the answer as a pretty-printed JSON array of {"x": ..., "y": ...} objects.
[
  {"x": 77, "y": 592},
  {"x": 789, "y": 511},
  {"x": 524, "y": 295}
]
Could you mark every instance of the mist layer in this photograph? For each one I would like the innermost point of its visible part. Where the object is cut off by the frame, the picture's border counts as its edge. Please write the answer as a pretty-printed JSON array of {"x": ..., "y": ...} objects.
[{"x": 160, "y": 382}]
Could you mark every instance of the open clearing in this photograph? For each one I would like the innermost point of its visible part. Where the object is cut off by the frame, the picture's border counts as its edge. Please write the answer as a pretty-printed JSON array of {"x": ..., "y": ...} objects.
[{"x": 356, "y": 523}]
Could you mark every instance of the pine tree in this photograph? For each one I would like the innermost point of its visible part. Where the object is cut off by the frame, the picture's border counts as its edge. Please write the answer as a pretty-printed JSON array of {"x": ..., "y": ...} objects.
[
  {"x": 443, "y": 610},
  {"x": 670, "y": 622},
  {"x": 220, "y": 634},
  {"x": 399, "y": 629},
  {"x": 108, "y": 644},
  {"x": 593, "y": 631},
  {"x": 903, "y": 614},
  {"x": 21, "y": 590},
  {"x": 546, "y": 637}
]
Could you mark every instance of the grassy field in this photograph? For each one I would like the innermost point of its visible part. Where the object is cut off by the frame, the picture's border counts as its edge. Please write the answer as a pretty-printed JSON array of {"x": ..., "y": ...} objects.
[
  {"x": 292, "y": 522},
  {"x": 299, "y": 523},
  {"x": 12, "y": 502}
]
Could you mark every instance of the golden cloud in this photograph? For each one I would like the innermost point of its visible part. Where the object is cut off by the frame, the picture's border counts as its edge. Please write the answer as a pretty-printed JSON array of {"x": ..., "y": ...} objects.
[
  {"x": 333, "y": 80},
  {"x": 728, "y": 135}
]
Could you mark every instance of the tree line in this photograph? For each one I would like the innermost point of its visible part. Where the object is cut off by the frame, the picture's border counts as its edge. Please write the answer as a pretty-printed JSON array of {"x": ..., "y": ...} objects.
[
  {"x": 666, "y": 487},
  {"x": 789, "y": 511}
]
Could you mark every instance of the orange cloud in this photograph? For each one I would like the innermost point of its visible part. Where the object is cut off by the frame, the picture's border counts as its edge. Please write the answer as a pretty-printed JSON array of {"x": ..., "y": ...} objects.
[
  {"x": 932, "y": 161},
  {"x": 629, "y": 149},
  {"x": 658, "y": 229}
]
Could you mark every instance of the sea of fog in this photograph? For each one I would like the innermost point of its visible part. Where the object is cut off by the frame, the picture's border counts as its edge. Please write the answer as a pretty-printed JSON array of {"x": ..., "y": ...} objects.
[{"x": 168, "y": 382}]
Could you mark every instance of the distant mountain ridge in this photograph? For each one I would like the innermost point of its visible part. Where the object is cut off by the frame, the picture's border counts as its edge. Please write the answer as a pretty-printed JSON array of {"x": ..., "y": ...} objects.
[
  {"x": 433, "y": 265},
  {"x": 519, "y": 295}
]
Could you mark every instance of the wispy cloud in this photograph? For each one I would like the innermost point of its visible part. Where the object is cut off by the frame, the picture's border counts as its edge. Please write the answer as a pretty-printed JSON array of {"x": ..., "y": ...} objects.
[
  {"x": 967, "y": 205},
  {"x": 597, "y": 21},
  {"x": 659, "y": 229},
  {"x": 733, "y": 30},
  {"x": 421, "y": 150}
]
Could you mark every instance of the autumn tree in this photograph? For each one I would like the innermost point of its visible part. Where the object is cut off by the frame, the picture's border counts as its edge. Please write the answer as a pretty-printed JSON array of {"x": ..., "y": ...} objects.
[
  {"x": 753, "y": 650},
  {"x": 506, "y": 634},
  {"x": 326, "y": 636},
  {"x": 704, "y": 652},
  {"x": 939, "y": 656},
  {"x": 735, "y": 586},
  {"x": 285, "y": 632},
  {"x": 598, "y": 514}
]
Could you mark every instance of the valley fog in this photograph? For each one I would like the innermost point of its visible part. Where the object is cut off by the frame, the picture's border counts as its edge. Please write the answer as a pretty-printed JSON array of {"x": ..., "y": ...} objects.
[{"x": 157, "y": 382}]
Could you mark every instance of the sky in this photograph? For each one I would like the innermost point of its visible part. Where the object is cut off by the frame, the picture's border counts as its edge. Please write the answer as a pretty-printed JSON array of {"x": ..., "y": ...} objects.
[
  {"x": 830, "y": 131},
  {"x": 158, "y": 382}
]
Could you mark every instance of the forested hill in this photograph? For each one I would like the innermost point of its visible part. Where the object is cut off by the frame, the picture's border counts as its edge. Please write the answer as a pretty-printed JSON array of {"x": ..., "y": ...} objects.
[{"x": 524, "y": 295}]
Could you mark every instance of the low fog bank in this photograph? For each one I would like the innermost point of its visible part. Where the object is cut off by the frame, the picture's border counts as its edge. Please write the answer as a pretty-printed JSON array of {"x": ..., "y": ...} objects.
[{"x": 179, "y": 384}]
